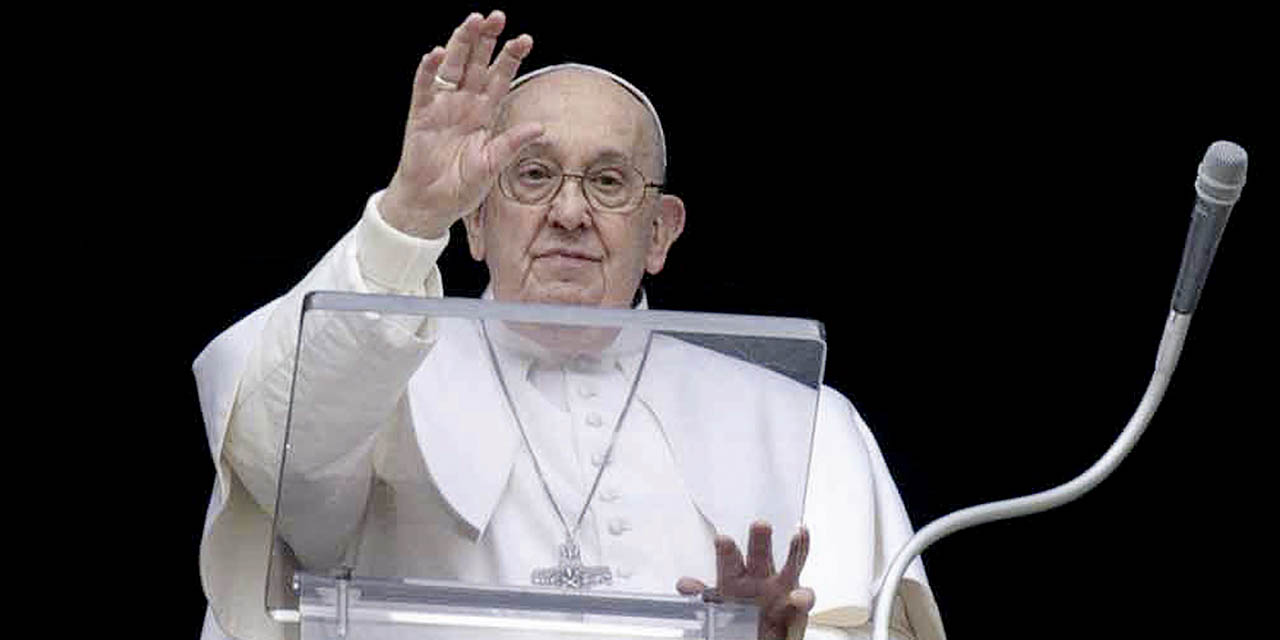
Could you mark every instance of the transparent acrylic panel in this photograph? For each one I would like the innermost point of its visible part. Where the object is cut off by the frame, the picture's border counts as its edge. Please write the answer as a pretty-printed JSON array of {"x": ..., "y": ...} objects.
[{"x": 542, "y": 448}]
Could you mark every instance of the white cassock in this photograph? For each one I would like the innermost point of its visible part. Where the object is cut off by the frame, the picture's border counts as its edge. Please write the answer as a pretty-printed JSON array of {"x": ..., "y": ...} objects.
[{"x": 433, "y": 480}]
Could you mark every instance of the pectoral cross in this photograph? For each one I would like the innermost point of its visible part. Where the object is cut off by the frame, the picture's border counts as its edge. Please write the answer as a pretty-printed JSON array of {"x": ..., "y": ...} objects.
[{"x": 571, "y": 573}]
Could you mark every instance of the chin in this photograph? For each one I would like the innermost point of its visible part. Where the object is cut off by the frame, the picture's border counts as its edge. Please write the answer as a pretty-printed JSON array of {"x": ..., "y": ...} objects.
[{"x": 567, "y": 294}]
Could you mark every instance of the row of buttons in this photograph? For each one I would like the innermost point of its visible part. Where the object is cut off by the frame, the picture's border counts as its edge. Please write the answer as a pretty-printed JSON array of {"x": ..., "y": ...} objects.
[{"x": 615, "y": 526}]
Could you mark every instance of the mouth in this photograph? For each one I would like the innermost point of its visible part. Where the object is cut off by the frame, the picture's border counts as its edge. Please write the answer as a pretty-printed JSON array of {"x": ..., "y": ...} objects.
[{"x": 567, "y": 255}]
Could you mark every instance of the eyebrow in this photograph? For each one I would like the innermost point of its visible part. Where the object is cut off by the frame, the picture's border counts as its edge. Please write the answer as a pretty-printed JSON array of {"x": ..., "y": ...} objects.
[{"x": 604, "y": 154}]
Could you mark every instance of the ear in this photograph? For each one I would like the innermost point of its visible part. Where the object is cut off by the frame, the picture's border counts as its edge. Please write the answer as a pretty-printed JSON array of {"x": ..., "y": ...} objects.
[
  {"x": 474, "y": 222},
  {"x": 667, "y": 226}
]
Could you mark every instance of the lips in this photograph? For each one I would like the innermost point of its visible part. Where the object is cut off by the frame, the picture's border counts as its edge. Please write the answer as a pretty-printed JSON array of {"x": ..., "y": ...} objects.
[{"x": 567, "y": 254}]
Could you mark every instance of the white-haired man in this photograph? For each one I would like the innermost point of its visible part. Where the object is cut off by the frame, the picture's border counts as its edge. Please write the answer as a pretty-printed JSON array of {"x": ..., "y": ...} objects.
[{"x": 558, "y": 182}]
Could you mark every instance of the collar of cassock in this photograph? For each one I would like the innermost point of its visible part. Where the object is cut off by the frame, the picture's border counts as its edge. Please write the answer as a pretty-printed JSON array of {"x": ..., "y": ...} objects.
[
  {"x": 621, "y": 348},
  {"x": 471, "y": 446}
]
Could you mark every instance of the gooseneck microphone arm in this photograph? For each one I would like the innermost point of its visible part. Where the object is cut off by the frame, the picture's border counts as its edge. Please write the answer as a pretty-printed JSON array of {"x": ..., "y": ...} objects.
[
  {"x": 1170, "y": 347},
  {"x": 1218, "y": 183}
]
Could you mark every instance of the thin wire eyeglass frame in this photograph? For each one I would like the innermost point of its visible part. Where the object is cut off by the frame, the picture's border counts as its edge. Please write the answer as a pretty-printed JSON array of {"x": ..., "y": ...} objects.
[{"x": 633, "y": 204}]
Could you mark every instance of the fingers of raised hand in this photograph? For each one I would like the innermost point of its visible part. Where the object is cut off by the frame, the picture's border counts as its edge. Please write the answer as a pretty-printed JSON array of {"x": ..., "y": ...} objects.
[
  {"x": 464, "y": 60},
  {"x": 458, "y": 50},
  {"x": 504, "y": 68},
  {"x": 760, "y": 550},
  {"x": 424, "y": 80},
  {"x": 477, "y": 69}
]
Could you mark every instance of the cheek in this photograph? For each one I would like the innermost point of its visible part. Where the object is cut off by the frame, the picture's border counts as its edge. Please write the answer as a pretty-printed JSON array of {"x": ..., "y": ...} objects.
[
  {"x": 628, "y": 245},
  {"x": 510, "y": 239}
]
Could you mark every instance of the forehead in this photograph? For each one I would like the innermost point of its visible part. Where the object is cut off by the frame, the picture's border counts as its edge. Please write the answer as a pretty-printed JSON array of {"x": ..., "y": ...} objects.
[{"x": 584, "y": 115}]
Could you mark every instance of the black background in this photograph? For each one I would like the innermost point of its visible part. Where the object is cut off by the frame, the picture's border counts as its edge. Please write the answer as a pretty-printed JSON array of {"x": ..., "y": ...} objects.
[{"x": 987, "y": 213}]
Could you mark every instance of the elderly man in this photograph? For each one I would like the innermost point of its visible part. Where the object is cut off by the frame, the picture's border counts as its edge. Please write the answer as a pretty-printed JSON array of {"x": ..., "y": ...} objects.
[{"x": 559, "y": 185}]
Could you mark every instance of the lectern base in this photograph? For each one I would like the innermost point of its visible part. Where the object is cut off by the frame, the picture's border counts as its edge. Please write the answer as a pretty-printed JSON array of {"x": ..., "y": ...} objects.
[{"x": 382, "y": 609}]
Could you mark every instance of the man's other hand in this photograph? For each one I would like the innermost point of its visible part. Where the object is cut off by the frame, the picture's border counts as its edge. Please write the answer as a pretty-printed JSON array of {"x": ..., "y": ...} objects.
[
  {"x": 784, "y": 605},
  {"x": 451, "y": 158}
]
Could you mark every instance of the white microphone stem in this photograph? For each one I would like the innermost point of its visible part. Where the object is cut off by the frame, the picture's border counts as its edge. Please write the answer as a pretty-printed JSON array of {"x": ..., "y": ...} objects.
[{"x": 1175, "y": 330}]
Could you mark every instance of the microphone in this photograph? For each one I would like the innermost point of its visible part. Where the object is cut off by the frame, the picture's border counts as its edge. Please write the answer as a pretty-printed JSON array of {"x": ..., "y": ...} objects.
[{"x": 1218, "y": 184}]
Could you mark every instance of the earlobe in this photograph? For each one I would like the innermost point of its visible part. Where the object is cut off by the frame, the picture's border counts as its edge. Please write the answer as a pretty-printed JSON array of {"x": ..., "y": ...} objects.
[
  {"x": 667, "y": 226},
  {"x": 474, "y": 223}
]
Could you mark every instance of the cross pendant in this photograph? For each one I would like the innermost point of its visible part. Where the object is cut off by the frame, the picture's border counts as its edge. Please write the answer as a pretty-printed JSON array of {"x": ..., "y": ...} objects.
[{"x": 570, "y": 573}]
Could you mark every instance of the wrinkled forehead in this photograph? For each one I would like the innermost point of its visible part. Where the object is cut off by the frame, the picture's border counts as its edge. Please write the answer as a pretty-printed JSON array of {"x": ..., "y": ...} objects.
[{"x": 585, "y": 114}]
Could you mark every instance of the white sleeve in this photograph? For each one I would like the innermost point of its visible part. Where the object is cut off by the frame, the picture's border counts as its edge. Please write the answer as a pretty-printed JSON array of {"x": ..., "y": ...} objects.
[
  {"x": 859, "y": 523},
  {"x": 899, "y": 628},
  {"x": 244, "y": 378}
]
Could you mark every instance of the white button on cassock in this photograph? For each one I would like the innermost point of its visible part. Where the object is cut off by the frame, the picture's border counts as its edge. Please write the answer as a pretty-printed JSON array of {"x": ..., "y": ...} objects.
[
  {"x": 598, "y": 459},
  {"x": 609, "y": 494},
  {"x": 619, "y": 526},
  {"x": 594, "y": 419},
  {"x": 586, "y": 391}
]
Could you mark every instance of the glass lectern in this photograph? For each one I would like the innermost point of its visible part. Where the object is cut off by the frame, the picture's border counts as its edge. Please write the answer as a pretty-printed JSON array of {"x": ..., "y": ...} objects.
[{"x": 475, "y": 469}]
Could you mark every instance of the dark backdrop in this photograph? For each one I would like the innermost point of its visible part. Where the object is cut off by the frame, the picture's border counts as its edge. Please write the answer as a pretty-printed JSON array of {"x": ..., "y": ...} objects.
[{"x": 988, "y": 220}]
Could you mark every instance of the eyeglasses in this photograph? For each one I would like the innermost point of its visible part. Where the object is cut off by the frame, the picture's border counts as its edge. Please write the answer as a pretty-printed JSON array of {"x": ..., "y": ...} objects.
[{"x": 611, "y": 188}]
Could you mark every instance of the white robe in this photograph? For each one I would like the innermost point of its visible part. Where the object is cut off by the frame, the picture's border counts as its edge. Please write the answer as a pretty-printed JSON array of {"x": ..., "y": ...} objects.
[{"x": 468, "y": 511}]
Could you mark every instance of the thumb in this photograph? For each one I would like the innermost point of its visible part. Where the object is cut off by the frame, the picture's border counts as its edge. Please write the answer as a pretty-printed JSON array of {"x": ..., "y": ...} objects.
[
  {"x": 690, "y": 586},
  {"x": 502, "y": 149},
  {"x": 799, "y": 603}
]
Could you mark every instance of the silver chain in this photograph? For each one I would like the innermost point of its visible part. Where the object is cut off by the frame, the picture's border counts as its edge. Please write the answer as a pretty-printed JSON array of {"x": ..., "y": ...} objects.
[{"x": 570, "y": 534}]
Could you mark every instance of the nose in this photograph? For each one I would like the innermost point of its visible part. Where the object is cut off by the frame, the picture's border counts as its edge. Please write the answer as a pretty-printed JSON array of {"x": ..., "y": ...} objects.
[{"x": 570, "y": 209}]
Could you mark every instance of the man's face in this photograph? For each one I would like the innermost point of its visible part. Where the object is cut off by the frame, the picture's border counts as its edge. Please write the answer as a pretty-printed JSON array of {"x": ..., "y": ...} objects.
[{"x": 563, "y": 251}]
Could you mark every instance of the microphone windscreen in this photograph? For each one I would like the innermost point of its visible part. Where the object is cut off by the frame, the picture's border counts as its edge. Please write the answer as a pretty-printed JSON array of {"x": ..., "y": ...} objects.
[{"x": 1222, "y": 172}]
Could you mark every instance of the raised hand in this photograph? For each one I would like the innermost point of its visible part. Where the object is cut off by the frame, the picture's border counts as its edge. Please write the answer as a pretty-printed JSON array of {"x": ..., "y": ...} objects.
[
  {"x": 451, "y": 156},
  {"x": 784, "y": 605}
]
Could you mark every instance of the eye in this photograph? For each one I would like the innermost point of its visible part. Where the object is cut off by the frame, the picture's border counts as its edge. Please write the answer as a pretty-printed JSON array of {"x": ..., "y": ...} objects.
[
  {"x": 533, "y": 172},
  {"x": 609, "y": 179}
]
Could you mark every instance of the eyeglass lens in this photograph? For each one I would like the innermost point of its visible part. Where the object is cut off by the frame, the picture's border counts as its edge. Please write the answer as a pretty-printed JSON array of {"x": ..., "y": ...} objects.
[{"x": 609, "y": 187}]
